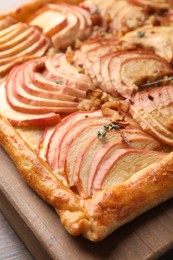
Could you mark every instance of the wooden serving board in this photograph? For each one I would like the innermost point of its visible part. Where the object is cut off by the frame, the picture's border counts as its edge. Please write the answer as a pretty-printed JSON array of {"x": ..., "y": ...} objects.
[{"x": 147, "y": 237}]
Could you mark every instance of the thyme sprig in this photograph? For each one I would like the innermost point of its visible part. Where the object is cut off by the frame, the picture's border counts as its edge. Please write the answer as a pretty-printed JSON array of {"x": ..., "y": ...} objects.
[
  {"x": 148, "y": 84},
  {"x": 114, "y": 126},
  {"x": 140, "y": 34}
]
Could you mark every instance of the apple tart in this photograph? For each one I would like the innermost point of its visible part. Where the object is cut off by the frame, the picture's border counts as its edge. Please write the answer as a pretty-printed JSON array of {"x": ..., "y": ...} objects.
[{"x": 86, "y": 107}]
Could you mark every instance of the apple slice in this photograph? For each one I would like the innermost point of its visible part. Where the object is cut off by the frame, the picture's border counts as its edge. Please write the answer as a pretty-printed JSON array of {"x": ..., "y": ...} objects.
[
  {"x": 32, "y": 37},
  {"x": 20, "y": 39},
  {"x": 19, "y": 119},
  {"x": 45, "y": 81},
  {"x": 11, "y": 31},
  {"x": 76, "y": 144},
  {"x": 135, "y": 67},
  {"x": 126, "y": 17},
  {"x": 44, "y": 141},
  {"x": 8, "y": 63},
  {"x": 97, "y": 150},
  {"x": 19, "y": 105},
  {"x": 156, "y": 38},
  {"x": 33, "y": 89},
  {"x": 148, "y": 123},
  {"x": 18, "y": 91},
  {"x": 85, "y": 27},
  {"x": 71, "y": 132},
  {"x": 57, "y": 21},
  {"x": 151, "y": 99},
  {"x": 53, "y": 151},
  {"x": 78, "y": 25},
  {"x": 59, "y": 68},
  {"x": 118, "y": 168},
  {"x": 66, "y": 36}
]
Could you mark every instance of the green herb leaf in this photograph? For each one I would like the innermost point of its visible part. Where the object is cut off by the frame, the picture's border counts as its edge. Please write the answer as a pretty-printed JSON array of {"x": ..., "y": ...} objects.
[{"x": 140, "y": 34}]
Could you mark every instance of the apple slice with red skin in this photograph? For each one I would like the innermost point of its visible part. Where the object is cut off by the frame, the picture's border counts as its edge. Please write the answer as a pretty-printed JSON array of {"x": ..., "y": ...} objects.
[
  {"x": 56, "y": 139},
  {"x": 27, "y": 108},
  {"x": 32, "y": 89},
  {"x": 9, "y": 63},
  {"x": 156, "y": 38},
  {"x": 156, "y": 4},
  {"x": 78, "y": 27},
  {"x": 119, "y": 167},
  {"x": 18, "y": 91},
  {"x": 44, "y": 140},
  {"x": 76, "y": 144},
  {"x": 126, "y": 77},
  {"x": 155, "y": 117},
  {"x": 85, "y": 27},
  {"x": 17, "y": 40},
  {"x": 106, "y": 82},
  {"x": 126, "y": 17},
  {"x": 146, "y": 122},
  {"x": 59, "y": 68},
  {"x": 57, "y": 20},
  {"x": 29, "y": 40},
  {"x": 66, "y": 36},
  {"x": 71, "y": 132},
  {"x": 19, "y": 119},
  {"x": 135, "y": 140},
  {"x": 11, "y": 31},
  {"x": 47, "y": 83},
  {"x": 151, "y": 99}
]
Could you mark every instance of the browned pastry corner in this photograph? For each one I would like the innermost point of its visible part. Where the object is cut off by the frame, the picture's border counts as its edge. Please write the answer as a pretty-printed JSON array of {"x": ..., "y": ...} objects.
[{"x": 86, "y": 107}]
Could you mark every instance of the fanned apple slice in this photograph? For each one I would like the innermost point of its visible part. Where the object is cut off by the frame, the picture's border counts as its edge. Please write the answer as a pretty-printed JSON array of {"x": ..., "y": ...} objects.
[
  {"x": 79, "y": 25},
  {"x": 37, "y": 50},
  {"x": 149, "y": 123},
  {"x": 129, "y": 70},
  {"x": 118, "y": 168},
  {"x": 57, "y": 20},
  {"x": 16, "y": 104},
  {"x": 10, "y": 32},
  {"x": 25, "y": 119},
  {"x": 75, "y": 145},
  {"x": 156, "y": 4},
  {"x": 15, "y": 88},
  {"x": 60, "y": 69},
  {"x": 156, "y": 38},
  {"x": 85, "y": 27},
  {"x": 150, "y": 100},
  {"x": 16, "y": 43},
  {"x": 22, "y": 44},
  {"x": 53, "y": 148},
  {"x": 40, "y": 76},
  {"x": 71, "y": 132},
  {"x": 91, "y": 51},
  {"x": 95, "y": 149},
  {"x": 129, "y": 139},
  {"x": 126, "y": 17},
  {"x": 35, "y": 90}
]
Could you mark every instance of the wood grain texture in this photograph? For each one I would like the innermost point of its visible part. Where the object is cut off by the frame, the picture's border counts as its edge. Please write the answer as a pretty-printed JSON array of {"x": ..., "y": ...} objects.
[
  {"x": 11, "y": 246},
  {"x": 147, "y": 237}
]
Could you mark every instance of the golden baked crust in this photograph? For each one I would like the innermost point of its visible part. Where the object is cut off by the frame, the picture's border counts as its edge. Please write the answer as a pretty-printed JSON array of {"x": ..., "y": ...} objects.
[{"x": 97, "y": 216}]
